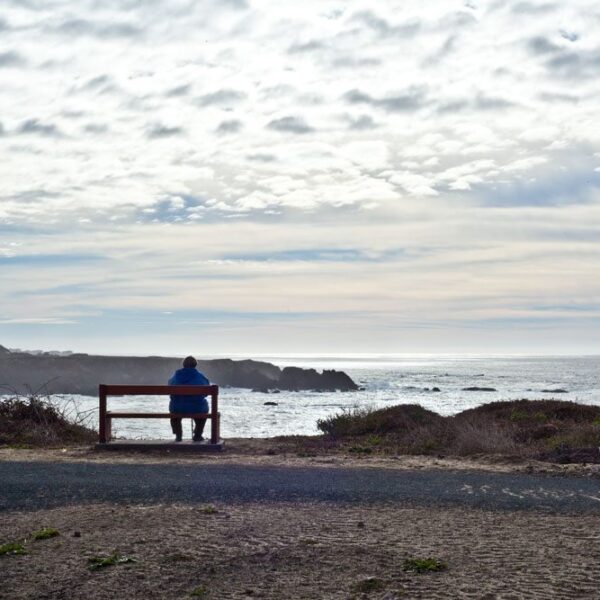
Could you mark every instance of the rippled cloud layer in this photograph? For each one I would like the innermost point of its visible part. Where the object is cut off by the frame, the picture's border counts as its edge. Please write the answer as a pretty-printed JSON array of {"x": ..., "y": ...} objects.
[{"x": 328, "y": 175}]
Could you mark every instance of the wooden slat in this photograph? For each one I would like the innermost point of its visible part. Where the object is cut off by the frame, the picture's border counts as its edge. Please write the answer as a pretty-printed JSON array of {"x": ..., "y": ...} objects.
[
  {"x": 160, "y": 390},
  {"x": 132, "y": 415}
]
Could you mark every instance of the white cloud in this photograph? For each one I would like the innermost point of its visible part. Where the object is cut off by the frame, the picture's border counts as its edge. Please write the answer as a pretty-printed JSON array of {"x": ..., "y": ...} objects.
[{"x": 404, "y": 135}]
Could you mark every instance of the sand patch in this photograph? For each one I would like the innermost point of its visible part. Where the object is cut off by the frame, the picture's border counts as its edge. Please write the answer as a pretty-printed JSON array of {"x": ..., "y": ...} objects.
[{"x": 300, "y": 551}]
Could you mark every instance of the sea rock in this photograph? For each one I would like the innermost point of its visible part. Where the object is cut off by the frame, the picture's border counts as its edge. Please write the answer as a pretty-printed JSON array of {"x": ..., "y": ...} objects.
[
  {"x": 270, "y": 404},
  {"x": 479, "y": 389},
  {"x": 294, "y": 378},
  {"x": 556, "y": 391}
]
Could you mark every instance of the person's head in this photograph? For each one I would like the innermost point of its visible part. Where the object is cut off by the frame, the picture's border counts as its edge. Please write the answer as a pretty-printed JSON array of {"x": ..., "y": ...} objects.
[{"x": 189, "y": 362}]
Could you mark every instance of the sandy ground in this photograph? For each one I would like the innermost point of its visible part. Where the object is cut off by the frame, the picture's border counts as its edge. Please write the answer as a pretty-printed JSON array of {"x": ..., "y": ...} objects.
[{"x": 283, "y": 551}]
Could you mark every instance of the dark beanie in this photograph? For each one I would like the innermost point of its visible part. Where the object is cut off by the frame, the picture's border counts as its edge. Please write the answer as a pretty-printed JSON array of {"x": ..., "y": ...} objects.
[{"x": 189, "y": 362}]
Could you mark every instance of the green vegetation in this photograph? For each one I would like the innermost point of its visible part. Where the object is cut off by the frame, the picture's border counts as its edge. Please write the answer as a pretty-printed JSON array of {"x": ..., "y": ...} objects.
[
  {"x": 12, "y": 549},
  {"x": 360, "y": 450},
  {"x": 45, "y": 533},
  {"x": 100, "y": 562},
  {"x": 370, "y": 584},
  {"x": 209, "y": 509},
  {"x": 199, "y": 592},
  {"x": 374, "y": 440},
  {"x": 517, "y": 415},
  {"x": 423, "y": 565}
]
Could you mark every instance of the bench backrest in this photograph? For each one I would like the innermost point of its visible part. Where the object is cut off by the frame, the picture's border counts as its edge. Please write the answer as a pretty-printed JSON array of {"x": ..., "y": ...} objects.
[{"x": 105, "y": 390}]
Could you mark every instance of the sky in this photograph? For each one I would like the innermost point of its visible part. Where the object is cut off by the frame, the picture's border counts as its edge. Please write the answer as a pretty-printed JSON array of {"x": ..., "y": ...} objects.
[{"x": 259, "y": 177}]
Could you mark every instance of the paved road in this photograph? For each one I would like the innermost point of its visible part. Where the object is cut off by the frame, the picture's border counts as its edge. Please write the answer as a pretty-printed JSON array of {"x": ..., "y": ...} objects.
[{"x": 32, "y": 485}]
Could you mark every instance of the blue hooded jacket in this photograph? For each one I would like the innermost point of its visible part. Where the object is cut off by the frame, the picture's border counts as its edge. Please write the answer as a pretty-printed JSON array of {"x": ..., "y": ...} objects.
[{"x": 188, "y": 404}]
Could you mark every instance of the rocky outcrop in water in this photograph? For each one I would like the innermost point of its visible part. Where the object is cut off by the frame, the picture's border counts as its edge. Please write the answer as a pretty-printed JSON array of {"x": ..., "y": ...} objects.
[
  {"x": 82, "y": 373},
  {"x": 294, "y": 378}
]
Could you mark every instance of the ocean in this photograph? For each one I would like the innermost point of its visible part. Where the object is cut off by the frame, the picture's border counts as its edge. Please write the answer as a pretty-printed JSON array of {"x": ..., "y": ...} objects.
[{"x": 387, "y": 380}]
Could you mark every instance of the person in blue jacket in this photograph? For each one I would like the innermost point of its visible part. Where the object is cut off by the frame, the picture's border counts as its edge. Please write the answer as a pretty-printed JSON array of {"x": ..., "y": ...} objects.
[{"x": 189, "y": 375}]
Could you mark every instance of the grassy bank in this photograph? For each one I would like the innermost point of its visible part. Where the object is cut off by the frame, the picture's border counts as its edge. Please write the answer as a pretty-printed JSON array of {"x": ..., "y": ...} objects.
[
  {"x": 552, "y": 430},
  {"x": 549, "y": 429}
]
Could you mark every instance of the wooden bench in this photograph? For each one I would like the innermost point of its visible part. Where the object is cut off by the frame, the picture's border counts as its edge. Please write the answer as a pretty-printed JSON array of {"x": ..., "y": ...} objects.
[{"x": 106, "y": 417}]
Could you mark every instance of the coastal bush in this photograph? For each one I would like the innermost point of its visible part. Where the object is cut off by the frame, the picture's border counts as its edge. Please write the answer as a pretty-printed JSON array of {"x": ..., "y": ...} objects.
[
  {"x": 365, "y": 421},
  {"x": 516, "y": 428},
  {"x": 538, "y": 424},
  {"x": 536, "y": 410},
  {"x": 583, "y": 436},
  {"x": 38, "y": 420},
  {"x": 478, "y": 436}
]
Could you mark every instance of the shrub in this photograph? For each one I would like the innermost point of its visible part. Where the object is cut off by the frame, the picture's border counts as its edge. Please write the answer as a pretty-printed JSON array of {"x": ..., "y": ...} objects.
[
  {"x": 45, "y": 533},
  {"x": 12, "y": 549},
  {"x": 423, "y": 565},
  {"x": 100, "y": 562},
  {"x": 37, "y": 420},
  {"x": 363, "y": 421},
  {"x": 480, "y": 436},
  {"x": 518, "y": 427}
]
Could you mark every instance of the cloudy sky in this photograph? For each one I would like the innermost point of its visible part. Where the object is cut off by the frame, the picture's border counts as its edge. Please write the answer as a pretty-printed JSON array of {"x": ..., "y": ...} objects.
[{"x": 257, "y": 176}]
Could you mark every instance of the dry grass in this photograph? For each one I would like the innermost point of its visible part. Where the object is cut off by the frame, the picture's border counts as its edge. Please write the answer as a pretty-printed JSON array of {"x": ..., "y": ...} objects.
[
  {"x": 521, "y": 427},
  {"x": 37, "y": 420}
]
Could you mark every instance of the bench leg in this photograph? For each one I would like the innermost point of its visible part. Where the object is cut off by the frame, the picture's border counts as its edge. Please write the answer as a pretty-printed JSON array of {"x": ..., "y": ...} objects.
[{"x": 214, "y": 428}]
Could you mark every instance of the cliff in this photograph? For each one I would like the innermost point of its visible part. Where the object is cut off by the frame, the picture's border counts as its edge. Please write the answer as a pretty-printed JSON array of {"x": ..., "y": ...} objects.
[{"x": 81, "y": 373}]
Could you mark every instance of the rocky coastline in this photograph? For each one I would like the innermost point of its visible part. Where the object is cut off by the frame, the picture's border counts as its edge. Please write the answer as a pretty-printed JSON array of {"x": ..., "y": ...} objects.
[{"x": 54, "y": 373}]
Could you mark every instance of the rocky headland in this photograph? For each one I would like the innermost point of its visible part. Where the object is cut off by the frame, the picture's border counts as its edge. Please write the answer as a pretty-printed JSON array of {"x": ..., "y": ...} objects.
[{"x": 56, "y": 373}]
